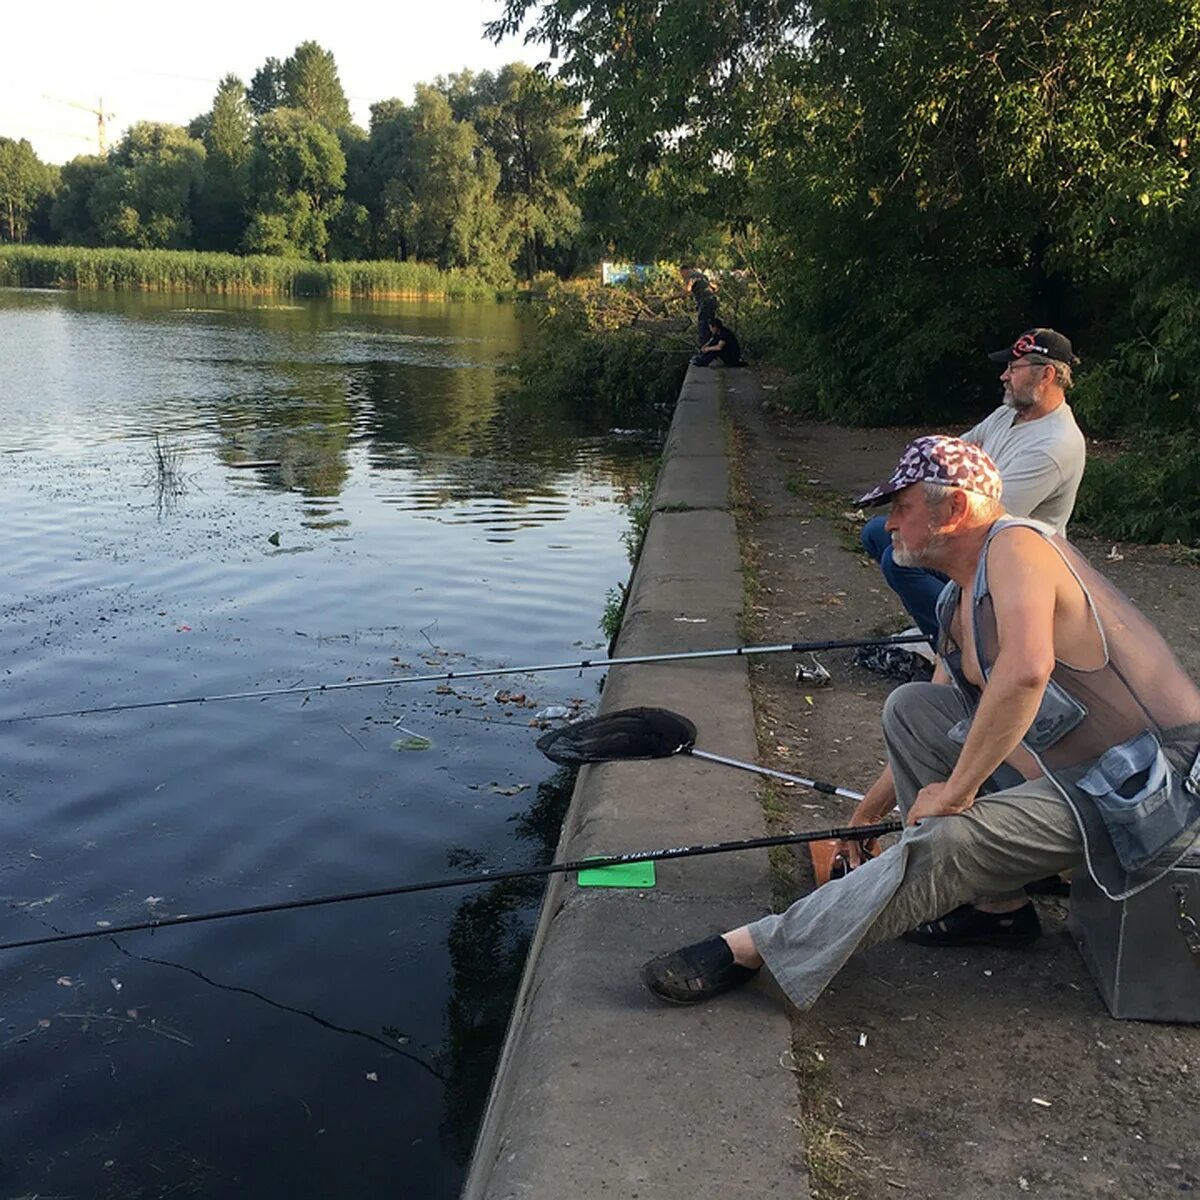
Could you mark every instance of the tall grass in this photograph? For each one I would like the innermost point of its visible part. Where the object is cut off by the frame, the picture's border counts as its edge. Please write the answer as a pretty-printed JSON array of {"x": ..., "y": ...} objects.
[{"x": 196, "y": 271}]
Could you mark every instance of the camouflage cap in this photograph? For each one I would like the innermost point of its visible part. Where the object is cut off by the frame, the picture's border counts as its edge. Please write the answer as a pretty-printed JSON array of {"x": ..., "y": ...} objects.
[{"x": 939, "y": 459}]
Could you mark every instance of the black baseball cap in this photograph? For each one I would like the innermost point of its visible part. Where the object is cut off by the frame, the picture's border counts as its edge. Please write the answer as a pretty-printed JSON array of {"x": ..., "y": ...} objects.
[{"x": 1049, "y": 343}]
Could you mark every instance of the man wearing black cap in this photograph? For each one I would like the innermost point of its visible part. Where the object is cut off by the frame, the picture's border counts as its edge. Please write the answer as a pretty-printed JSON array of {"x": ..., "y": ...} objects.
[{"x": 1033, "y": 440}]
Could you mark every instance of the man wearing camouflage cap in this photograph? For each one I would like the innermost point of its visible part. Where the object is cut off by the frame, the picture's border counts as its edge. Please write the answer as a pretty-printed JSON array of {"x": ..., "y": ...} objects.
[
  {"x": 1058, "y": 729},
  {"x": 1036, "y": 445}
]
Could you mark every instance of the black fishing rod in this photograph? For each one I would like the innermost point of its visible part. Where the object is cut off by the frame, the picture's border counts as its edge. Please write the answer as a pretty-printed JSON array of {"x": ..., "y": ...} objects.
[
  {"x": 444, "y": 676},
  {"x": 849, "y": 833}
]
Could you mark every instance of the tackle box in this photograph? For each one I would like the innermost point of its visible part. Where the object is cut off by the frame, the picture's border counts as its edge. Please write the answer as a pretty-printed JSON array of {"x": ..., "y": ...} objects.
[{"x": 1144, "y": 952}]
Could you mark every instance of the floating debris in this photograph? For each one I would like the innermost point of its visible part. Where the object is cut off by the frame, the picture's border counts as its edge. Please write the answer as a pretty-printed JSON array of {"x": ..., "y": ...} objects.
[
  {"x": 413, "y": 742},
  {"x": 515, "y": 790}
]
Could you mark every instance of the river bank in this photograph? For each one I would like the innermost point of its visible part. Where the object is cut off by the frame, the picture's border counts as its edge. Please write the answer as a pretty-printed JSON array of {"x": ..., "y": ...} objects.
[{"x": 603, "y": 1091}]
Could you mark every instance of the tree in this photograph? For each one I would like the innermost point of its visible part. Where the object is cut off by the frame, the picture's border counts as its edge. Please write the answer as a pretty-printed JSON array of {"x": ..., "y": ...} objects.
[
  {"x": 221, "y": 209},
  {"x": 266, "y": 88},
  {"x": 907, "y": 178},
  {"x": 297, "y": 175},
  {"x": 533, "y": 129},
  {"x": 435, "y": 186},
  {"x": 26, "y": 185},
  {"x": 142, "y": 194},
  {"x": 311, "y": 84},
  {"x": 71, "y": 215},
  {"x": 352, "y": 232}
]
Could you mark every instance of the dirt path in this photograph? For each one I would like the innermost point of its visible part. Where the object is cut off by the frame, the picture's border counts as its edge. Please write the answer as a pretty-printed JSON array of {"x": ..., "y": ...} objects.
[{"x": 985, "y": 1073}]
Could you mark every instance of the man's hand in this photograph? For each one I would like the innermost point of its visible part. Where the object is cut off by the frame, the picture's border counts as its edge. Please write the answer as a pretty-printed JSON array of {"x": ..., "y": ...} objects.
[
  {"x": 938, "y": 800},
  {"x": 854, "y": 852},
  {"x": 872, "y": 808}
]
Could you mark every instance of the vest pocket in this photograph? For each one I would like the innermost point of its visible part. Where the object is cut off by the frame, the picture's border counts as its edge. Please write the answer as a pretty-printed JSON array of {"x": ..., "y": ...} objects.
[
  {"x": 1138, "y": 798},
  {"x": 1057, "y": 715}
]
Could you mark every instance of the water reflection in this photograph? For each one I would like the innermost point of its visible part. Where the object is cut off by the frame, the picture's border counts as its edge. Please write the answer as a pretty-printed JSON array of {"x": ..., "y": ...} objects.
[
  {"x": 488, "y": 942},
  {"x": 396, "y": 500}
]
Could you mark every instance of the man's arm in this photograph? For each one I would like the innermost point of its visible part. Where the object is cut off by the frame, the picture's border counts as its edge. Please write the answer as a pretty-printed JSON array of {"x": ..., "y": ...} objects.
[
  {"x": 1023, "y": 571},
  {"x": 974, "y": 435}
]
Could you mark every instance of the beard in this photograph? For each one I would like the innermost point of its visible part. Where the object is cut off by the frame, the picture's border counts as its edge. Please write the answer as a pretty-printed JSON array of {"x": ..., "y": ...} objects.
[
  {"x": 904, "y": 556},
  {"x": 1018, "y": 403}
]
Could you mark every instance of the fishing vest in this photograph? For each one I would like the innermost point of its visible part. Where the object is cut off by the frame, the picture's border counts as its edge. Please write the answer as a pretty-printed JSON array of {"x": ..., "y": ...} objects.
[{"x": 1120, "y": 742}]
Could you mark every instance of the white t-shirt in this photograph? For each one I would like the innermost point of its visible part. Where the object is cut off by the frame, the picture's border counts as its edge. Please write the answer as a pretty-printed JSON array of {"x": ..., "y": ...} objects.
[{"x": 1041, "y": 462}]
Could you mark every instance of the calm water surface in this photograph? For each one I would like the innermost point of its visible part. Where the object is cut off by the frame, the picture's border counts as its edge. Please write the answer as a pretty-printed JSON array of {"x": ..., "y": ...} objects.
[{"x": 423, "y": 522}]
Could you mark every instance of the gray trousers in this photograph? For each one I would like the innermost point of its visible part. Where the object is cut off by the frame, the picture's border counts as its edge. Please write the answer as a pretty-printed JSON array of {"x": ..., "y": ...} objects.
[{"x": 1007, "y": 838}]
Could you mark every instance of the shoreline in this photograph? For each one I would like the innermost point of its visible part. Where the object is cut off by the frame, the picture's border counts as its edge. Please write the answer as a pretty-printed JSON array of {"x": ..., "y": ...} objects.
[{"x": 602, "y": 1090}]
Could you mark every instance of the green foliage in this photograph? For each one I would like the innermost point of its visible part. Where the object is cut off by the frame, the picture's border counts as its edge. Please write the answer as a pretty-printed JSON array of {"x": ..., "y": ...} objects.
[
  {"x": 297, "y": 175},
  {"x": 638, "y": 502},
  {"x": 140, "y": 195},
  {"x": 911, "y": 183},
  {"x": 310, "y": 83},
  {"x": 221, "y": 206},
  {"x": 534, "y": 131},
  {"x": 27, "y": 185},
  {"x": 266, "y": 90},
  {"x": 434, "y": 186},
  {"x": 191, "y": 271},
  {"x": 70, "y": 216},
  {"x": 613, "y": 612},
  {"x": 483, "y": 172},
  {"x": 1150, "y": 493},
  {"x": 587, "y": 352}
]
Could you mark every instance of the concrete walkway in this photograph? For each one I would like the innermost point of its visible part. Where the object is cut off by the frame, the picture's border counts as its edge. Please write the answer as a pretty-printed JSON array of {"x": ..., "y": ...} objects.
[{"x": 601, "y": 1090}]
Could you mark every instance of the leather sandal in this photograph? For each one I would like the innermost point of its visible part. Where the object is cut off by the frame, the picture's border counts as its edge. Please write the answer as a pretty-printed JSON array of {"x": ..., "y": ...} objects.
[
  {"x": 970, "y": 926},
  {"x": 694, "y": 973}
]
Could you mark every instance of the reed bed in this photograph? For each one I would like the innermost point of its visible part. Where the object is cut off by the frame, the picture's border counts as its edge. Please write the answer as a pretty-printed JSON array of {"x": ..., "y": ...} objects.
[{"x": 232, "y": 274}]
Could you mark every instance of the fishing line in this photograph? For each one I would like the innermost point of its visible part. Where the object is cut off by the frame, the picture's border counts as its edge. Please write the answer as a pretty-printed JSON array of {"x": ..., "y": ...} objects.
[
  {"x": 491, "y": 672},
  {"x": 850, "y": 833},
  {"x": 390, "y": 1047}
]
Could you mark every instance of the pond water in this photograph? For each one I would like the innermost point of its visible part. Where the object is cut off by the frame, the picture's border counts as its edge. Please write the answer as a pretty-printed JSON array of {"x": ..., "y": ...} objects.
[{"x": 408, "y": 517}]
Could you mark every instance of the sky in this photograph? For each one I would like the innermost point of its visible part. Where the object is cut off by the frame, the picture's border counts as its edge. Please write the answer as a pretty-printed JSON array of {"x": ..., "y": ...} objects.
[{"x": 154, "y": 61}]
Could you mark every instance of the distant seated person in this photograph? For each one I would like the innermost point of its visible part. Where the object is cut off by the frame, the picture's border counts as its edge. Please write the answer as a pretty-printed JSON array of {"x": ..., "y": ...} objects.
[
  {"x": 723, "y": 344},
  {"x": 1033, "y": 440}
]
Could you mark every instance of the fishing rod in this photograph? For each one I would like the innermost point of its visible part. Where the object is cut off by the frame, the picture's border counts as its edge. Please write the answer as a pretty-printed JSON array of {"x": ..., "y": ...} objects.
[
  {"x": 849, "y": 833},
  {"x": 490, "y": 672}
]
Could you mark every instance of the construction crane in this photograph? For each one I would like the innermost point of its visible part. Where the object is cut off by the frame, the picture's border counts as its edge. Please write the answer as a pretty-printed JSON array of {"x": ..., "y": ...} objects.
[{"x": 98, "y": 112}]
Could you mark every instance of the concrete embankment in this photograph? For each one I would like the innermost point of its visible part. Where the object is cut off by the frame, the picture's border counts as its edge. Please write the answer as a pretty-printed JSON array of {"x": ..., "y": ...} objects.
[{"x": 602, "y": 1090}]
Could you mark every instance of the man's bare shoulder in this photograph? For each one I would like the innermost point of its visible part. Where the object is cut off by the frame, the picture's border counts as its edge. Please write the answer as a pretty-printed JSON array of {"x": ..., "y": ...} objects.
[{"x": 1019, "y": 548}]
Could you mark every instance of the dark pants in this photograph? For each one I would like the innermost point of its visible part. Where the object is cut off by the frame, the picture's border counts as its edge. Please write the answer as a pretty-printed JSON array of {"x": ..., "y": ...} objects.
[
  {"x": 705, "y": 358},
  {"x": 917, "y": 587}
]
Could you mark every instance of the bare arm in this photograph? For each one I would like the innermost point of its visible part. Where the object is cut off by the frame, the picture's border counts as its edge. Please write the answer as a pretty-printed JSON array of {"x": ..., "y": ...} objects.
[{"x": 879, "y": 800}]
